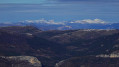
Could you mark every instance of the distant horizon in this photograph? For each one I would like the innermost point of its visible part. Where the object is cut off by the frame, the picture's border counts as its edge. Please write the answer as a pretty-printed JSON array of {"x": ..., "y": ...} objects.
[
  {"x": 95, "y": 21},
  {"x": 52, "y": 21}
]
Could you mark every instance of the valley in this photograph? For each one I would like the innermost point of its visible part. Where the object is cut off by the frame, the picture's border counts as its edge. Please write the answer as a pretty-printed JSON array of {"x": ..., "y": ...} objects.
[{"x": 87, "y": 46}]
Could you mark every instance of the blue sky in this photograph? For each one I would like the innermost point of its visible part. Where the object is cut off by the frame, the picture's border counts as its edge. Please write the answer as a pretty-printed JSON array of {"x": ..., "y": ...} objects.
[
  {"x": 59, "y": 10},
  {"x": 22, "y": 1}
]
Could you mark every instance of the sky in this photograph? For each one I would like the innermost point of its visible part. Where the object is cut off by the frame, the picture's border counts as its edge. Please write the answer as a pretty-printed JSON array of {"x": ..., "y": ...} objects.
[{"x": 59, "y": 10}]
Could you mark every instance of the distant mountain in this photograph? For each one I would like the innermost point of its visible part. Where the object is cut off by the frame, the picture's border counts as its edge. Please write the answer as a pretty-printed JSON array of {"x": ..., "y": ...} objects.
[{"x": 66, "y": 25}]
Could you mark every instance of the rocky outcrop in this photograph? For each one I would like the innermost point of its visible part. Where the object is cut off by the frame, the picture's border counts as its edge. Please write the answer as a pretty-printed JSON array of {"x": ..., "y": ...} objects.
[
  {"x": 19, "y": 61},
  {"x": 110, "y": 55},
  {"x": 60, "y": 63},
  {"x": 114, "y": 54},
  {"x": 89, "y": 61}
]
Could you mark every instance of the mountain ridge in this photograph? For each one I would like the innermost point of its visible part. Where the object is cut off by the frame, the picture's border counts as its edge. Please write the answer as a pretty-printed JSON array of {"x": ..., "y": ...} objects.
[{"x": 65, "y": 25}]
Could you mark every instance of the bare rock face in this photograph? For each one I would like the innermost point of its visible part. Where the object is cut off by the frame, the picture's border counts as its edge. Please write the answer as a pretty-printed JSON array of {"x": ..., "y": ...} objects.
[{"x": 19, "y": 61}]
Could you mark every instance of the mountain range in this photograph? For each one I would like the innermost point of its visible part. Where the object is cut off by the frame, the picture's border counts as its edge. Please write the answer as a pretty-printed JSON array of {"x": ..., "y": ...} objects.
[
  {"x": 65, "y": 25},
  {"x": 53, "y": 46}
]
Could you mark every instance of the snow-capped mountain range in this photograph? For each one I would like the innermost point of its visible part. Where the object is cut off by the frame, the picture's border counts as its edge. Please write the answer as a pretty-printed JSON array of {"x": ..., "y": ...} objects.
[{"x": 65, "y": 25}]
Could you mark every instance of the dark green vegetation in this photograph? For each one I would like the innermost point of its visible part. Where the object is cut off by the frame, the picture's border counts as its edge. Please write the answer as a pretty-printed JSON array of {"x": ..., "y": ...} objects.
[{"x": 53, "y": 46}]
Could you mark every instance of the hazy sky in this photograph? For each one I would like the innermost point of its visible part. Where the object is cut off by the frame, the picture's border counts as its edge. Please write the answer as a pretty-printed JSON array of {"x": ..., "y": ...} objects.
[{"x": 59, "y": 10}]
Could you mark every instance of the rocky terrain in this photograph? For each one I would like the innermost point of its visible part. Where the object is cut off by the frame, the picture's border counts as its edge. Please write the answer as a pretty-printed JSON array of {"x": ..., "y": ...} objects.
[
  {"x": 89, "y": 61},
  {"x": 19, "y": 61},
  {"x": 53, "y": 46}
]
